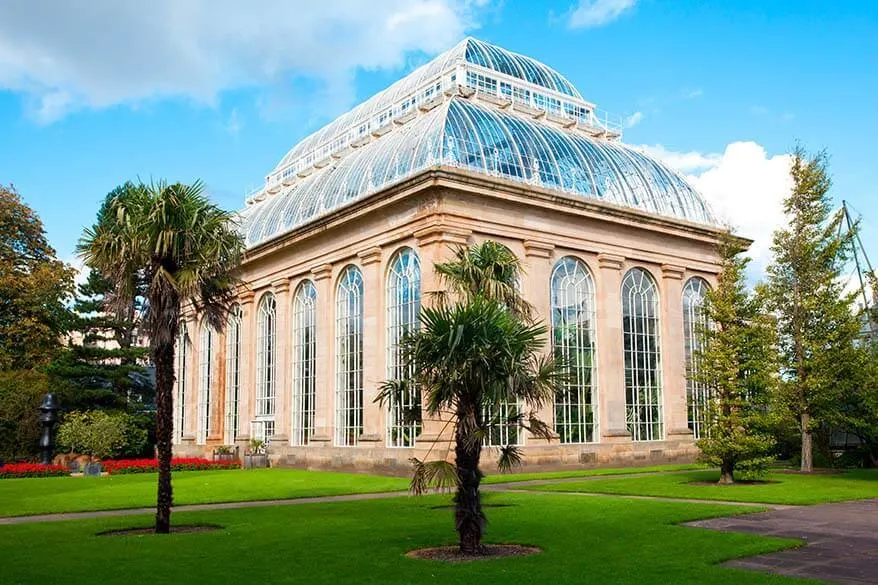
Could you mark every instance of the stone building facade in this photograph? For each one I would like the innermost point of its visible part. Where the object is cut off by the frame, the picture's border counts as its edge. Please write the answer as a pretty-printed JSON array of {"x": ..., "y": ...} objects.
[{"x": 481, "y": 143}]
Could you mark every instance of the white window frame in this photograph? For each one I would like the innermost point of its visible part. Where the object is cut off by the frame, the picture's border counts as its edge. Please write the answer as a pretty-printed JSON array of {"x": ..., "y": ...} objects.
[
  {"x": 304, "y": 363},
  {"x": 403, "y": 302},
  {"x": 349, "y": 358}
]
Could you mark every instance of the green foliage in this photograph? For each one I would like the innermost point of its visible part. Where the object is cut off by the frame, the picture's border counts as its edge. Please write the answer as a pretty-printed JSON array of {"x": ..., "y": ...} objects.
[
  {"x": 104, "y": 364},
  {"x": 816, "y": 323},
  {"x": 101, "y": 434},
  {"x": 736, "y": 365},
  {"x": 33, "y": 287},
  {"x": 20, "y": 396}
]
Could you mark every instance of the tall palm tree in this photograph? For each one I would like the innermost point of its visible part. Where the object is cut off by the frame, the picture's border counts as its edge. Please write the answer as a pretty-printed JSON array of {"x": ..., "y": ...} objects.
[
  {"x": 469, "y": 358},
  {"x": 187, "y": 250}
]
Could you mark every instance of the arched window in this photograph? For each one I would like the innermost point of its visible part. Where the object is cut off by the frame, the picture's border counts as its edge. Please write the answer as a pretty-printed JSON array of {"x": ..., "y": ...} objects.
[
  {"x": 573, "y": 343},
  {"x": 643, "y": 372},
  {"x": 233, "y": 373},
  {"x": 403, "y": 310},
  {"x": 266, "y": 363},
  {"x": 182, "y": 350},
  {"x": 205, "y": 380},
  {"x": 694, "y": 321},
  {"x": 304, "y": 362},
  {"x": 349, "y": 358}
]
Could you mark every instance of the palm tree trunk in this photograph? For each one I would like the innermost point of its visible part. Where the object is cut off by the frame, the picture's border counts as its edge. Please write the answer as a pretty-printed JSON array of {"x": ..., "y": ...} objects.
[
  {"x": 164, "y": 386},
  {"x": 469, "y": 518}
]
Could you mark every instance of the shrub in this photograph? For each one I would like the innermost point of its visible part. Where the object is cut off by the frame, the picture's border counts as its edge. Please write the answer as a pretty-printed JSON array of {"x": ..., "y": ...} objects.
[
  {"x": 101, "y": 434},
  {"x": 20, "y": 396},
  {"x": 128, "y": 466},
  {"x": 18, "y": 470}
]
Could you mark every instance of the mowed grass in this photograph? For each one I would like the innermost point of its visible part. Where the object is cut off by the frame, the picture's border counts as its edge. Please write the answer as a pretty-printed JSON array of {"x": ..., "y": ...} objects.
[
  {"x": 594, "y": 472},
  {"x": 21, "y": 497},
  {"x": 781, "y": 488},
  {"x": 584, "y": 540}
]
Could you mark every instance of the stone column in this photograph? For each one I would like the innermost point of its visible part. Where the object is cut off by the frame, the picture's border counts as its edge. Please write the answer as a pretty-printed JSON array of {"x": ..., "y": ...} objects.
[
  {"x": 281, "y": 289},
  {"x": 324, "y": 382},
  {"x": 374, "y": 371},
  {"x": 673, "y": 357},
  {"x": 246, "y": 398},
  {"x": 435, "y": 244},
  {"x": 193, "y": 365},
  {"x": 537, "y": 291},
  {"x": 611, "y": 359}
]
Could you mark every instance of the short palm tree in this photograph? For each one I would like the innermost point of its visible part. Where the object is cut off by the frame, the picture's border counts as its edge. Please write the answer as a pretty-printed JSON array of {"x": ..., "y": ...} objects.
[
  {"x": 468, "y": 358},
  {"x": 187, "y": 250}
]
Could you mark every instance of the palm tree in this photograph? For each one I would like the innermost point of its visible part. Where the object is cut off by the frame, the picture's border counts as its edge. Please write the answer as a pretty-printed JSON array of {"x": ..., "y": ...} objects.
[
  {"x": 469, "y": 358},
  {"x": 186, "y": 250}
]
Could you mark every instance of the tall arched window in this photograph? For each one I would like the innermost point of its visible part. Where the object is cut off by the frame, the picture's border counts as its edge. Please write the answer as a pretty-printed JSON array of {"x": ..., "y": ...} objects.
[
  {"x": 233, "y": 373},
  {"x": 643, "y": 372},
  {"x": 205, "y": 380},
  {"x": 304, "y": 362},
  {"x": 403, "y": 310},
  {"x": 349, "y": 358},
  {"x": 573, "y": 343},
  {"x": 182, "y": 350},
  {"x": 266, "y": 363},
  {"x": 694, "y": 321}
]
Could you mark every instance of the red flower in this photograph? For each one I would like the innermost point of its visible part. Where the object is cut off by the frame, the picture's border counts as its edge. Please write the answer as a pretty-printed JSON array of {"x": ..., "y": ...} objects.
[{"x": 12, "y": 470}]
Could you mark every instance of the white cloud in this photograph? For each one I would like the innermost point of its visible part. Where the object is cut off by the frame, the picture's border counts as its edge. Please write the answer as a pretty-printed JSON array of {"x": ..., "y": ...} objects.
[
  {"x": 234, "y": 123},
  {"x": 633, "y": 120},
  {"x": 65, "y": 56},
  {"x": 745, "y": 186},
  {"x": 594, "y": 13},
  {"x": 692, "y": 94}
]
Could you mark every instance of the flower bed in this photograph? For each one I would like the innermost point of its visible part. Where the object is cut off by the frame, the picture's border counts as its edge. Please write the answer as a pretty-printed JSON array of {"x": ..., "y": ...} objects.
[
  {"x": 126, "y": 466},
  {"x": 12, "y": 470}
]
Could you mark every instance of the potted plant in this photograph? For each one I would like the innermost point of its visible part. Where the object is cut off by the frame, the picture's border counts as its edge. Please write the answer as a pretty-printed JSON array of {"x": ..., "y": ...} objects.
[
  {"x": 225, "y": 453},
  {"x": 256, "y": 456}
]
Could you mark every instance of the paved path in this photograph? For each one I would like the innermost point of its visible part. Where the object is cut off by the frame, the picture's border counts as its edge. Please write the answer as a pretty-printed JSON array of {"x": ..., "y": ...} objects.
[{"x": 842, "y": 541}]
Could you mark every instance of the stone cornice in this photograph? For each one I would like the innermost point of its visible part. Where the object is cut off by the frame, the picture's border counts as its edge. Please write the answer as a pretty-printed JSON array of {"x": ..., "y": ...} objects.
[
  {"x": 538, "y": 249},
  {"x": 611, "y": 261},
  {"x": 370, "y": 255},
  {"x": 443, "y": 234},
  {"x": 672, "y": 272},
  {"x": 321, "y": 272},
  {"x": 281, "y": 285},
  {"x": 245, "y": 296}
]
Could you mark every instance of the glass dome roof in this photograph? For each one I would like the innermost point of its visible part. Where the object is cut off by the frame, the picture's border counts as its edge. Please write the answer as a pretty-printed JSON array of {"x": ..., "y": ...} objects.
[{"x": 466, "y": 133}]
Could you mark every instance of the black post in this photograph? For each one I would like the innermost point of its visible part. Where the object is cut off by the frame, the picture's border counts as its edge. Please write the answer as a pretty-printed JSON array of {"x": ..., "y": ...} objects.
[{"x": 48, "y": 418}]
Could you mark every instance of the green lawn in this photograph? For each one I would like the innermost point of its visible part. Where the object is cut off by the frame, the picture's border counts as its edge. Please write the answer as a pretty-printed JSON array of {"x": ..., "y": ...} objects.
[
  {"x": 584, "y": 540},
  {"x": 573, "y": 473},
  {"x": 783, "y": 488},
  {"x": 20, "y": 497}
]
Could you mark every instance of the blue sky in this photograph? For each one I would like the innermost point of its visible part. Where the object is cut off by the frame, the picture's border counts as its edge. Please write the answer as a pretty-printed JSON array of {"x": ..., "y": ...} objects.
[{"x": 220, "y": 91}]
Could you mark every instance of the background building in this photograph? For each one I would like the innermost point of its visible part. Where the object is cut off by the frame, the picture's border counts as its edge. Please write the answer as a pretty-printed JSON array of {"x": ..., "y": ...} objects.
[{"x": 480, "y": 143}]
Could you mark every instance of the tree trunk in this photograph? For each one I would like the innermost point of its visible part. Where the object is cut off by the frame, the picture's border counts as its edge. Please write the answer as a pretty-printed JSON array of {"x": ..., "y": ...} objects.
[
  {"x": 164, "y": 421},
  {"x": 807, "y": 447},
  {"x": 469, "y": 519},
  {"x": 727, "y": 473}
]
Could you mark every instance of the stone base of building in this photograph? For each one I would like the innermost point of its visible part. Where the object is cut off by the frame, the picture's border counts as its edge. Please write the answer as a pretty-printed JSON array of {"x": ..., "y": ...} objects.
[{"x": 396, "y": 461}]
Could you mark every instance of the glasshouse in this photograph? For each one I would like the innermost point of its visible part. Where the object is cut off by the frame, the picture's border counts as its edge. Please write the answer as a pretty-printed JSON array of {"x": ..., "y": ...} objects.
[{"x": 618, "y": 252}]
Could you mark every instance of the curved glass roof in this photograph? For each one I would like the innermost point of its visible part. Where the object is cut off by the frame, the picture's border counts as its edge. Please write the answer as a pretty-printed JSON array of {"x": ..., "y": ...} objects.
[
  {"x": 470, "y": 50},
  {"x": 467, "y": 134}
]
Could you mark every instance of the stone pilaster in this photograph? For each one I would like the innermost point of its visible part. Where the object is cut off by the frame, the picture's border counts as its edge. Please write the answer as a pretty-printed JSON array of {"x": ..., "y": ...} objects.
[
  {"x": 324, "y": 382},
  {"x": 247, "y": 396},
  {"x": 673, "y": 359},
  {"x": 538, "y": 263},
  {"x": 611, "y": 359},
  {"x": 281, "y": 288},
  {"x": 373, "y": 346},
  {"x": 435, "y": 244}
]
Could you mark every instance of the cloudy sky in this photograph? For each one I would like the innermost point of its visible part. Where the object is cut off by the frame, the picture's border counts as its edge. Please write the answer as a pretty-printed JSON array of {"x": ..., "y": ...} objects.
[{"x": 95, "y": 93}]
